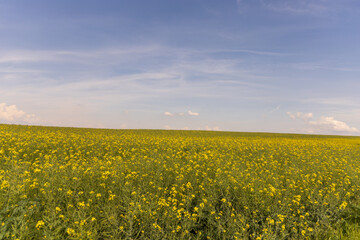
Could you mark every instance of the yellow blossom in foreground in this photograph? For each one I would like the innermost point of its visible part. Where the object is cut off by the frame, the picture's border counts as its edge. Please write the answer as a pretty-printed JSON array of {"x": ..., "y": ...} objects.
[
  {"x": 40, "y": 224},
  {"x": 147, "y": 184}
]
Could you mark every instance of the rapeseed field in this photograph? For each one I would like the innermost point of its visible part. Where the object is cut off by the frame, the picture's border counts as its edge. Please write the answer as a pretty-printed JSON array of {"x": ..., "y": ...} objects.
[{"x": 70, "y": 183}]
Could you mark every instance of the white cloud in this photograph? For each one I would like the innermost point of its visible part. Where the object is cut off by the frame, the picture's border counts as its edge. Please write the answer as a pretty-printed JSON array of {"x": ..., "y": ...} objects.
[
  {"x": 168, "y": 114},
  {"x": 300, "y": 115},
  {"x": 167, "y": 127},
  {"x": 329, "y": 123},
  {"x": 190, "y": 113},
  {"x": 216, "y": 128},
  {"x": 31, "y": 118},
  {"x": 10, "y": 113},
  {"x": 323, "y": 124}
]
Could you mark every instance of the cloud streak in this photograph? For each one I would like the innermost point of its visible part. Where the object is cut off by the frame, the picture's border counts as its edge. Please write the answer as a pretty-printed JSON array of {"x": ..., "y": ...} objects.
[
  {"x": 307, "y": 7},
  {"x": 189, "y": 113}
]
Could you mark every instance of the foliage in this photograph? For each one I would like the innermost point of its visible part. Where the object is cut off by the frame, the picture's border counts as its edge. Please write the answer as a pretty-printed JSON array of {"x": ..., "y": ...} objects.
[{"x": 69, "y": 183}]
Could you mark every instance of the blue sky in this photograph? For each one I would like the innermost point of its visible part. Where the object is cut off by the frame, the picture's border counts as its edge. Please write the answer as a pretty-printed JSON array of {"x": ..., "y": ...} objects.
[{"x": 246, "y": 65}]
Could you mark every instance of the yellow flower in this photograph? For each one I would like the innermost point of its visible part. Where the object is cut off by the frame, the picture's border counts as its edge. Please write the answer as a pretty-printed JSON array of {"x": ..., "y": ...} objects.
[
  {"x": 4, "y": 184},
  {"x": 70, "y": 231},
  {"x": 343, "y": 205},
  {"x": 156, "y": 226},
  {"x": 40, "y": 224}
]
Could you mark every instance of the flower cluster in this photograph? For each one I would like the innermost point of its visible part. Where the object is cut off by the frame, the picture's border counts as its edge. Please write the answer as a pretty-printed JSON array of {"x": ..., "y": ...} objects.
[{"x": 68, "y": 183}]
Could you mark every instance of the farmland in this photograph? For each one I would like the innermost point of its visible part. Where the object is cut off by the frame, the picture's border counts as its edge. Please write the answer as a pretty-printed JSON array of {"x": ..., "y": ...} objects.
[{"x": 72, "y": 183}]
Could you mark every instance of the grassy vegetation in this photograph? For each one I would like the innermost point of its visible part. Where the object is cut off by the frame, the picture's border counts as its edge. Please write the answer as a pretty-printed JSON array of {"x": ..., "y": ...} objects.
[{"x": 69, "y": 183}]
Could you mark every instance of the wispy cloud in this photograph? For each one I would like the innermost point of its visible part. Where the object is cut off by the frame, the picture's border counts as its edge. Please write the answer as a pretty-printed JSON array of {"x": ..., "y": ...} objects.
[
  {"x": 300, "y": 115},
  {"x": 340, "y": 101},
  {"x": 249, "y": 51},
  {"x": 184, "y": 75},
  {"x": 19, "y": 70},
  {"x": 275, "y": 109},
  {"x": 174, "y": 68},
  {"x": 23, "y": 56},
  {"x": 298, "y": 7},
  {"x": 303, "y": 7},
  {"x": 324, "y": 65},
  {"x": 104, "y": 54}
]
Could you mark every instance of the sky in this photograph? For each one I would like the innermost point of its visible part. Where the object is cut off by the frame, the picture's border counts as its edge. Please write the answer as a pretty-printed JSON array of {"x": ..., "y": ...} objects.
[{"x": 286, "y": 66}]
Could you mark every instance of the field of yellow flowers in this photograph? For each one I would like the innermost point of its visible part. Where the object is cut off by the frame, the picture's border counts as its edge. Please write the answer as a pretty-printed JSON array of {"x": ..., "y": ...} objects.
[{"x": 71, "y": 183}]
